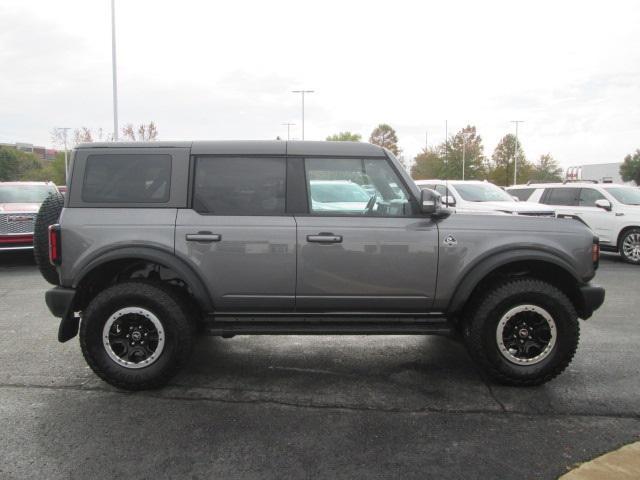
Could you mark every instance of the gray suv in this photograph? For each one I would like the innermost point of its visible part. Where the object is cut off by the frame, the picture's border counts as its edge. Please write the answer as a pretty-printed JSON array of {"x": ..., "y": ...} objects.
[{"x": 155, "y": 243}]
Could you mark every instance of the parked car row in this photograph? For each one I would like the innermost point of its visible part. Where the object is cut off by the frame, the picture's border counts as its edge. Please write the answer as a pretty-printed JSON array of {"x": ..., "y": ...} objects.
[
  {"x": 611, "y": 210},
  {"x": 19, "y": 204}
]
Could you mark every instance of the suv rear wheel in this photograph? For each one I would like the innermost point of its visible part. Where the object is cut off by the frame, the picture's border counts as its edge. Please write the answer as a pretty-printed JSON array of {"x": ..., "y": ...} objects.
[
  {"x": 630, "y": 246},
  {"x": 136, "y": 335},
  {"x": 522, "y": 332}
]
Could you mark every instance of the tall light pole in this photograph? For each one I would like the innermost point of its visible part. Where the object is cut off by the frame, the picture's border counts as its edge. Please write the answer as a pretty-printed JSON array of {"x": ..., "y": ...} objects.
[
  {"x": 302, "y": 92},
  {"x": 288, "y": 126},
  {"x": 515, "y": 153},
  {"x": 113, "y": 67},
  {"x": 465, "y": 136},
  {"x": 64, "y": 131}
]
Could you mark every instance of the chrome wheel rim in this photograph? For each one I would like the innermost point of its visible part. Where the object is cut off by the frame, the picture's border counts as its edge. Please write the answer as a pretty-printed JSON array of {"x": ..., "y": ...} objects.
[
  {"x": 631, "y": 246},
  {"x": 526, "y": 334},
  {"x": 133, "y": 337}
]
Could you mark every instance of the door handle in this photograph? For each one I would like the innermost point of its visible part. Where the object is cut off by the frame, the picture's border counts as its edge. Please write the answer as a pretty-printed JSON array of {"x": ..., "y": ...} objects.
[
  {"x": 204, "y": 237},
  {"x": 324, "y": 238}
]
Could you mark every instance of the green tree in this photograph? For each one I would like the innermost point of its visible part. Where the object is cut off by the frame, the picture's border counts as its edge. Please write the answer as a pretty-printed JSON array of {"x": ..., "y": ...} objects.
[
  {"x": 546, "y": 169},
  {"x": 48, "y": 171},
  {"x": 14, "y": 163},
  {"x": 428, "y": 164},
  {"x": 630, "y": 168},
  {"x": 465, "y": 141},
  {"x": 344, "y": 137},
  {"x": 501, "y": 166},
  {"x": 385, "y": 136}
]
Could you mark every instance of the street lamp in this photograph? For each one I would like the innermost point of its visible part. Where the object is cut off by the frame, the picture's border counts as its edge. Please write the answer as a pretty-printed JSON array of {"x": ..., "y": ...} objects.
[
  {"x": 515, "y": 153},
  {"x": 288, "y": 127},
  {"x": 302, "y": 92},
  {"x": 113, "y": 68},
  {"x": 465, "y": 137},
  {"x": 66, "y": 163}
]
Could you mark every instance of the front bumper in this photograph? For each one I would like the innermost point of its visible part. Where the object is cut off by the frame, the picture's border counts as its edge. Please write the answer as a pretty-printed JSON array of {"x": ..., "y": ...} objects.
[
  {"x": 60, "y": 303},
  {"x": 592, "y": 298}
]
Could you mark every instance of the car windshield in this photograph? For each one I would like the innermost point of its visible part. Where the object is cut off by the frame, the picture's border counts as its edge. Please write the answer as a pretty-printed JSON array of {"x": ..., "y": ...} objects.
[
  {"x": 482, "y": 192},
  {"x": 626, "y": 195},
  {"x": 338, "y": 192},
  {"x": 24, "y": 193}
]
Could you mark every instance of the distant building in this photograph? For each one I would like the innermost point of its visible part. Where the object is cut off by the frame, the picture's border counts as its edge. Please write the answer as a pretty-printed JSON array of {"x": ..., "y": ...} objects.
[
  {"x": 42, "y": 153},
  {"x": 601, "y": 172}
]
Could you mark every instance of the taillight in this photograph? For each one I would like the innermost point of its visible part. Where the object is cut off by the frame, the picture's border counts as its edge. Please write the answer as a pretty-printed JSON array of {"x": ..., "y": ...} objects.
[
  {"x": 55, "y": 252},
  {"x": 595, "y": 252}
]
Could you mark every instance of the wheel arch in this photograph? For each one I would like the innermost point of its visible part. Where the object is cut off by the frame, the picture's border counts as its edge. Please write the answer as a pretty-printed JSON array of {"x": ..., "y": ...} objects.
[
  {"x": 538, "y": 264},
  {"x": 117, "y": 260}
]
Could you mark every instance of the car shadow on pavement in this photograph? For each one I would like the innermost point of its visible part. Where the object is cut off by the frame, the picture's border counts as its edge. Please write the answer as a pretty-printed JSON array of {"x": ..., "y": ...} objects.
[{"x": 19, "y": 258}]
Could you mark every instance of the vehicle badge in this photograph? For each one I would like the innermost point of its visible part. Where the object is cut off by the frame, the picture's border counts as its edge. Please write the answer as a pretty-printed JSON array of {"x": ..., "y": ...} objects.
[{"x": 450, "y": 240}]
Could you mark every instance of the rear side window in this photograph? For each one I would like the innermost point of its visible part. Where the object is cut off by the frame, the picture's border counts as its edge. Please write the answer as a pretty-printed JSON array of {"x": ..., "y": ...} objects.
[
  {"x": 127, "y": 179},
  {"x": 561, "y": 196},
  {"x": 240, "y": 186},
  {"x": 521, "y": 194}
]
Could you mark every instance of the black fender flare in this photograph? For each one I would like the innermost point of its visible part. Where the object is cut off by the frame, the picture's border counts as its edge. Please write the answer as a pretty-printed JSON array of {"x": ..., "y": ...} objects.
[
  {"x": 475, "y": 273},
  {"x": 154, "y": 254}
]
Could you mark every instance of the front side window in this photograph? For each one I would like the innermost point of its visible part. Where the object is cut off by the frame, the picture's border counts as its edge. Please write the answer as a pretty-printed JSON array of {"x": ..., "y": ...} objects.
[
  {"x": 127, "y": 178},
  {"x": 588, "y": 197},
  {"x": 561, "y": 196},
  {"x": 355, "y": 187},
  {"x": 240, "y": 186}
]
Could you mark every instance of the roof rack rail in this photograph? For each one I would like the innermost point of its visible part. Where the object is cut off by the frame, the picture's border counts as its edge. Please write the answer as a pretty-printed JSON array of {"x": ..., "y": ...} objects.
[{"x": 579, "y": 181}]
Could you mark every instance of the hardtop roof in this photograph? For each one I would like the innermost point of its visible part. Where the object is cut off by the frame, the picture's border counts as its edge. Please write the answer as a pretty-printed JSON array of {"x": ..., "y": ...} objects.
[{"x": 255, "y": 147}]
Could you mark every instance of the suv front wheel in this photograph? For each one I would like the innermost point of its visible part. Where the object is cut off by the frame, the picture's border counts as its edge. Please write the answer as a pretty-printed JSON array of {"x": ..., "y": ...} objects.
[
  {"x": 136, "y": 335},
  {"x": 522, "y": 332},
  {"x": 630, "y": 246}
]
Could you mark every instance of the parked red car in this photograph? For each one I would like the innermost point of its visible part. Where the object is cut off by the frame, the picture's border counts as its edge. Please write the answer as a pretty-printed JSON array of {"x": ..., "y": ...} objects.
[{"x": 19, "y": 204}]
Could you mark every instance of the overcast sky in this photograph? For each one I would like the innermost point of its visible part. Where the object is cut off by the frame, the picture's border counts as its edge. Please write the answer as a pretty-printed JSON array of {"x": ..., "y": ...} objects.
[{"x": 224, "y": 70}]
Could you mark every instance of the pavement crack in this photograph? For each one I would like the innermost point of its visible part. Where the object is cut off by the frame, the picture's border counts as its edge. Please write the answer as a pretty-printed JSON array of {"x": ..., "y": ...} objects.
[{"x": 327, "y": 406}]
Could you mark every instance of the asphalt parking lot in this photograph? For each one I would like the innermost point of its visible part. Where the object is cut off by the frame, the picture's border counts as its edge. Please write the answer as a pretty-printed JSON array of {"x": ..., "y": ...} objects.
[{"x": 309, "y": 407}]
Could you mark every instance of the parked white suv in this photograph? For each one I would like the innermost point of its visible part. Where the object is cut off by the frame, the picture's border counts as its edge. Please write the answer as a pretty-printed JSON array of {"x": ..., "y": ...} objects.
[
  {"x": 611, "y": 210},
  {"x": 465, "y": 196}
]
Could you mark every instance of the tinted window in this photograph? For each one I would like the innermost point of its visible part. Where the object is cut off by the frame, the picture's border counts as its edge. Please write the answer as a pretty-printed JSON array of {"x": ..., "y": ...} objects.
[
  {"x": 127, "y": 179},
  {"x": 561, "y": 196},
  {"x": 355, "y": 187},
  {"x": 240, "y": 186},
  {"x": 521, "y": 194},
  {"x": 588, "y": 197}
]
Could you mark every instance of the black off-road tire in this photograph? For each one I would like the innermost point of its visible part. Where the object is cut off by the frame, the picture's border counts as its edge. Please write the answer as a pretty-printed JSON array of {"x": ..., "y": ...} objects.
[
  {"x": 48, "y": 214},
  {"x": 483, "y": 319},
  {"x": 170, "y": 309},
  {"x": 633, "y": 233}
]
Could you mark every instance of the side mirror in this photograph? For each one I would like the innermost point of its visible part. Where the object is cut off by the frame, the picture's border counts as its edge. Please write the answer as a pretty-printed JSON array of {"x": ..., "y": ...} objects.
[
  {"x": 429, "y": 201},
  {"x": 430, "y": 204},
  {"x": 449, "y": 201},
  {"x": 604, "y": 204}
]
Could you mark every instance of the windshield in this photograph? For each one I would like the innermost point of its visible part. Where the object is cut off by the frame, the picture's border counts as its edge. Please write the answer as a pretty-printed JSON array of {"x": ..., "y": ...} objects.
[
  {"x": 24, "y": 193},
  {"x": 338, "y": 192},
  {"x": 482, "y": 192},
  {"x": 626, "y": 195}
]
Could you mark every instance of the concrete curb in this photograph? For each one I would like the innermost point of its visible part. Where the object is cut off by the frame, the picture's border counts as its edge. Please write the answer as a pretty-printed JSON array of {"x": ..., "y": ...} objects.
[{"x": 621, "y": 464}]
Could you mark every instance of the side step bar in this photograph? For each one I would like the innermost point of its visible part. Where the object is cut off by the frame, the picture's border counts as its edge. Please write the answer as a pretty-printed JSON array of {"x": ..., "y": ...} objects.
[{"x": 329, "y": 327}]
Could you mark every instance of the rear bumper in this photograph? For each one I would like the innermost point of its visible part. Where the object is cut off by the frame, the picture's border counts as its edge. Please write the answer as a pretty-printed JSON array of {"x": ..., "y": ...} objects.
[
  {"x": 592, "y": 297},
  {"x": 60, "y": 303}
]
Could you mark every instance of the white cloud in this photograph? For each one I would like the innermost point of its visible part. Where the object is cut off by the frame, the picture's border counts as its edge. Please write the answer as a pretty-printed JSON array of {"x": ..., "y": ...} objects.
[{"x": 571, "y": 70}]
